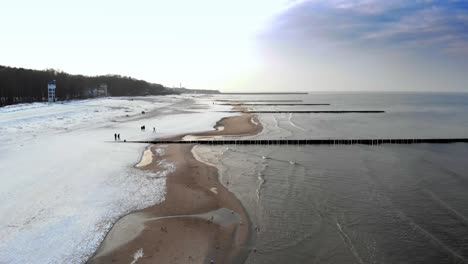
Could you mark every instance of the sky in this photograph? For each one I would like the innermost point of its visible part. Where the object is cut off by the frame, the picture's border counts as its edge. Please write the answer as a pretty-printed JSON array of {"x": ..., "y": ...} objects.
[{"x": 246, "y": 45}]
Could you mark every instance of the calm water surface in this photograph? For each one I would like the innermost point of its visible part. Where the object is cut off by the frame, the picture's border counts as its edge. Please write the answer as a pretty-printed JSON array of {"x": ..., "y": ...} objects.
[{"x": 355, "y": 204}]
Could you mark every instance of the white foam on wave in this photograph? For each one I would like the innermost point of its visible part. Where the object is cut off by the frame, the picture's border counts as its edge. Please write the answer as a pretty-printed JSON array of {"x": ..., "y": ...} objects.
[
  {"x": 294, "y": 124},
  {"x": 252, "y": 120}
]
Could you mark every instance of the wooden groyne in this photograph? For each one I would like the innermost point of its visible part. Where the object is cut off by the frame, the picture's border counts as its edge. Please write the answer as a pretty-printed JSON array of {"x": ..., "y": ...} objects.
[
  {"x": 310, "y": 141},
  {"x": 271, "y": 93},
  {"x": 285, "y": 101},
  {"x": 310, "y": 112},
  {"x": 268, "y": 104}
]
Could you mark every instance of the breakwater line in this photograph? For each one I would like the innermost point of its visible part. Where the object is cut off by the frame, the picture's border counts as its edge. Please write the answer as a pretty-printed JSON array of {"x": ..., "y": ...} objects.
[
  {"x": 267, "y": 104},
  {"x": 310, "y": 141},
  {"x": 238, "y": 101},
  {"x": 310, "y": 112},
  {"x": 268, "y": 93}
]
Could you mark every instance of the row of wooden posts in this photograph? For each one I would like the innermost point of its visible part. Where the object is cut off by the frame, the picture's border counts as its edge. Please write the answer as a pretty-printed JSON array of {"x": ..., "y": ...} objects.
[{"x": 309, "y": 141}]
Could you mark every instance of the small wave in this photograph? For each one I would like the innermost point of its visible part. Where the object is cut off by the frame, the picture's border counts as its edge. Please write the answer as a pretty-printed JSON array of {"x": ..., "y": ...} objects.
[
  {"x": 279, "y": 160},
  {"x": 447, "y": 207},
  {"x": 349, "y": 243},
  {"x": 252, "y": 120},
  {"x": 276, "y": 122},
  {"x": 294, "y": 125},
  {"x": 261, "y": 182},
  {"x": 461, "y": 178}
]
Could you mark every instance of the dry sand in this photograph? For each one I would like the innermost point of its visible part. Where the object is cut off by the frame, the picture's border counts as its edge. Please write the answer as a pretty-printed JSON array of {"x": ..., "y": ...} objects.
[{"x": 173, "y": 231}]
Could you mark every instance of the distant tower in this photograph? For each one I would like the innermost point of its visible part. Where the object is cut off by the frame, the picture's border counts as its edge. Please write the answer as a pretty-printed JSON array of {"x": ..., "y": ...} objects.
[{"x": 51, "y": 86}]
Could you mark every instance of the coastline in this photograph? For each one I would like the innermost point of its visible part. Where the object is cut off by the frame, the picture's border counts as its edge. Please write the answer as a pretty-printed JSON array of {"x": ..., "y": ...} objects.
[
  {"x": 243, "y": 125},
  {"x": 234, "y": 126},
  {"x": 199, "y": 220}
]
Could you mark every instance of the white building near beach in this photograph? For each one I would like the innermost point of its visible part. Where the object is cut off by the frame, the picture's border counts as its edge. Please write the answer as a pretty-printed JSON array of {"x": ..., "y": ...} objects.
[{"x": 51, "y": 87}]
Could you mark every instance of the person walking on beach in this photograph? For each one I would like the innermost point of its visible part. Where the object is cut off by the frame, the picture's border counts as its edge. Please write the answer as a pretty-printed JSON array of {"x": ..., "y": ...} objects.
[
  {"x": 115, "y": 136},
  {"x": 154, "y": 130},
  {"x": 118, "y": 137}
]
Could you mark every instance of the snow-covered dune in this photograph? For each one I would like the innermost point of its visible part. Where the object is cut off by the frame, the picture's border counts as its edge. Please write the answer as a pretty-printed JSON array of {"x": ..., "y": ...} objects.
[{"x": 63, "y": 182}]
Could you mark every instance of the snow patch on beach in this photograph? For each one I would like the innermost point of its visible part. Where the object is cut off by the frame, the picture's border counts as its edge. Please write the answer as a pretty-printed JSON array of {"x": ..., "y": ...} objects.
[
  {"x": 160, "y": 151},
  {"x": 138, "y": 255},
  {"x": 146, "y": 159},
  {"x": 65, "y": 181},
  {"x": 166, "y": 168}
]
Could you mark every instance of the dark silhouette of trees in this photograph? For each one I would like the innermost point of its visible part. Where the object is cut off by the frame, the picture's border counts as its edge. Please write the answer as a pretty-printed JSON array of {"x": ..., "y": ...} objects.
[{"x": 18, "y": 85}]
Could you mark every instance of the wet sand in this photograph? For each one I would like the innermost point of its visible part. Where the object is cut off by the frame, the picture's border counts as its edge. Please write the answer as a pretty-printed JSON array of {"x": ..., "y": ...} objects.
[
  {"x": 199, "y": 221},
  {"x": 243, "y": 125},
  {"x": 234, "y": 126}
]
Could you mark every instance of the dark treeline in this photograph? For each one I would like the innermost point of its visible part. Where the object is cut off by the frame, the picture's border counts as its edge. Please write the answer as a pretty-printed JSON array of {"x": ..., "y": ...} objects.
[
  {"x": 19, "y": 85},
  {"x": 185, "y": 90}
]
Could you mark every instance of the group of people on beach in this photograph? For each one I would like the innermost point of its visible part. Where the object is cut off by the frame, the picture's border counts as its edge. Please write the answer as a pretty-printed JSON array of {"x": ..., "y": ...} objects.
[{"x": 142, "y": 128}]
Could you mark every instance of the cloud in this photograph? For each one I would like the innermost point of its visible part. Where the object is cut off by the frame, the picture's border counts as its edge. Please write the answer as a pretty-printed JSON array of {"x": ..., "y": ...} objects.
[
  {"x": 370, "y": 7},
  {"x": 430, "y": 25}
]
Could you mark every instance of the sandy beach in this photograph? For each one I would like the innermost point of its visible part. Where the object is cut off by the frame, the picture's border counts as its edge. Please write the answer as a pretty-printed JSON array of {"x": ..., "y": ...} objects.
[
  {"x": 243, "y": 125},
  {"x": 234, "y": 126},
  {"x": 198, "y": 222}
]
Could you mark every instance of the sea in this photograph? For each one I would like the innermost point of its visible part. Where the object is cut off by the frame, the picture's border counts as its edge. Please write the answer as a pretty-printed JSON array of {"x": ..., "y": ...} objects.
[{"x": 353, "y": 203}]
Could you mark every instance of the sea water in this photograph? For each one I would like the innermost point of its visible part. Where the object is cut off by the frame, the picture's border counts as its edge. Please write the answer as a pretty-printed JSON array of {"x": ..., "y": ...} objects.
[{"x": 354, "y": 203}]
